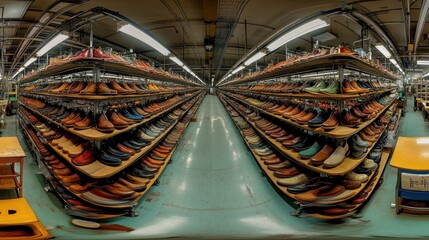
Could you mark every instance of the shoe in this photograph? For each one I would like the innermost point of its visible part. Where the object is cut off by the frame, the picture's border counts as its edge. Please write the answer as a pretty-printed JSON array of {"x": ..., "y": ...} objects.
[
  {"x": 291, "y": 142},
  {"x": 348, "y": 88},
  {"x": 369, "y": 164},
  {"x": 286, "y": 173},
  {"x": 80, "y": 86},
  {"x": 298, "y": 179},
  {"x": 322, "y": 155},
  {"x": 320, "y": 118},
  {"x": 90, "y": 89},
  {"x": 117, "y": 121},
  {"x": 118, "y": 88},
  {"x": 333, "y": 88},
  {"x": 310, "y": 152},
  {"x": 316, "y": 88},
  {"x": 349, "y": 120},
  {"x": 356, "y": 139},
  {"x": 337, "y": 157},
  {"x": 103, "y": 89},
  {"x": 86, "y": 123},
  {"x": 85, "y": 158},
  {"x": 332, "y": 121},
  {"x": 284, "y": 164},
  {"x": 303, "y": 145},
  {"x": 311, "y": 184},
  {"x": 104, "y": 125},
  {"x": 357, "y": 177},
  {"x": 116, "y": 153},
  {"x": 108, "y": 159}
]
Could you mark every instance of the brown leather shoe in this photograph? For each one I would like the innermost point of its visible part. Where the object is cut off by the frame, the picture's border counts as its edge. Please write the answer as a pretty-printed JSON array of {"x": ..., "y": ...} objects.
[
  {"x": 356, "y": 87},
  {"x": 129, "y": 121},
  {"x": 86, "y": 123},
  {"x": 348, "y": 88},
  {"x": 322, "y": 155},
  {"x": 296, "y": 110},
  {"x": 366, "y": 137},
  {"x": 117, "y": 87},
  {"x": 103, "y": 89},
  {"x": 304, "y": 119},
  {"x": 357, "y": 113},
  {"x": 125, "y": 149},
  {"x": 104, "y": 125},
  {"x": 349, "y": 120},
  {"x": 331, "y": 122},
  {"x": 272, "y": 161},
  {"x": 69, "y": 117},
  {"x": 286, "y": 173},
  {"x": 77, "y": 89},
  {"x": 117, "y": 121},
  {"x": 289, "y": 143},
  {"x": 90, "y": 89},
  {"x": 128, "y": 88},
  {"x": 71, "y": 122},
  {"x": 134, "y": 87},
  {"x": 61, "y": 88}
]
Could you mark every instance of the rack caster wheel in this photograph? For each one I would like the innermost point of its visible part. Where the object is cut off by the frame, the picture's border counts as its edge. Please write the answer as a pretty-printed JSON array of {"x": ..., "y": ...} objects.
[
  {"x": 156, "y": 183},
  {"x": 170, "y": 161},
  {"x": 263, "y": 174}
]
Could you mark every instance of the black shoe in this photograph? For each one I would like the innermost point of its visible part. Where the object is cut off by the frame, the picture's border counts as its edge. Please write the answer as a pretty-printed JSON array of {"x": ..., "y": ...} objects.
[
  {"x": 109, "y": 159},
  {"x": 118, "y": 154}
]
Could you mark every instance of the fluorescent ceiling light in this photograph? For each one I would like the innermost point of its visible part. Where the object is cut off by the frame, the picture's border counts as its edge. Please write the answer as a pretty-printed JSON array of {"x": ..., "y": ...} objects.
[
  {"x": 52, "y": 43},
  {"x": 296, "y": 33},
  {"x": 383, "y": 50},
  {"x": 423, "y": 62},
  {"x": 30, "y": 61},
  {"x": 394, "y": 62},
  {"x": 427, "y": 74},
  {"x": 17, "y": 72},
  {"x": 140, "y": 35},
  {"x": 254, "y": 58},
  {"x": 238, "y": 69},
  {"x": 187, "y": 69},
  {"x": 176, "y": 60}
]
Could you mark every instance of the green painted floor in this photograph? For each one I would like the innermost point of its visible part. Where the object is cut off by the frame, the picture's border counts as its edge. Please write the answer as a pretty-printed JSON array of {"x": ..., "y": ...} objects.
[{"x": 214, "y": 189}]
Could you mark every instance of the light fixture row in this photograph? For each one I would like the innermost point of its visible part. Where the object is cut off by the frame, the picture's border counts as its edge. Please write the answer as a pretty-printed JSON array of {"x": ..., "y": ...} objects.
[
  {"x": 386, "y": 53},
  {"x": 282, "y": 40},
  {"x": 127, "y": 29},
  {"x": 59, "y": 38},
  {"x": 143, "y": 37}
]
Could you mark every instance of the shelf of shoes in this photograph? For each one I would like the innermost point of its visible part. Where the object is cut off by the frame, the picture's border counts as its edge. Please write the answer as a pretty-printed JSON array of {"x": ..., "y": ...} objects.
[
  {"x": 92, "y": 133},
  {"x": 323, "y": 203},
  {"x": 346, "y": 166},
  {"x": 167, "y": 91},
  {"x": 343, "y": 195},
  {"x": 338, "y": 132},
  {"x": 98, "y": 197},
  {"x": 300, "y": 65},
  {"x": 284, "y": 90},
  {"x": 109, "y": 63},
  {"x": 47, "y": 163},
  {"x": 97, "y": 169},
  {"x": 356, "y": 203},
  {"x": 84, "y": 88}
]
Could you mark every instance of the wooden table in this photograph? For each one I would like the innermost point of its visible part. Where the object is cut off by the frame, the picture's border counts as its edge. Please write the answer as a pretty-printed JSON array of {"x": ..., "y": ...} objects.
[
  {"x": 411, "y": 157},
  {"x": 10, "y": 154}
]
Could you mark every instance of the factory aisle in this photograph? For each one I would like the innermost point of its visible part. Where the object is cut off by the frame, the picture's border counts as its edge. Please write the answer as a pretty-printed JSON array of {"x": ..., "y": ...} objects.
[{"x": 213, "y": 188}]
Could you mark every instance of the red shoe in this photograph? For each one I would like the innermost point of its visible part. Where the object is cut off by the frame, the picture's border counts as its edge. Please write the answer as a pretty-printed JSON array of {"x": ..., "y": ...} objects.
[{"x": 85, "y": 158}]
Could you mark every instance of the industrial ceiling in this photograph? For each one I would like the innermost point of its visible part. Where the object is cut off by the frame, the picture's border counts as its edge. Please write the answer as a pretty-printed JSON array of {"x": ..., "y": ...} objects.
[{"x": 212, "y": 36}]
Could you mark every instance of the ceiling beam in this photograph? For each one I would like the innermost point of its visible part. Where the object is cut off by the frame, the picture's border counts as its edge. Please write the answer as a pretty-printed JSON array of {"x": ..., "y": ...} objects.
[{"x": 421, "y": 23}]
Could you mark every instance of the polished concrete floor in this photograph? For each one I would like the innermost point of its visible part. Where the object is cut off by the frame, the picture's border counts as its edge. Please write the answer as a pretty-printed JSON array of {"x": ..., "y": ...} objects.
[{"x": 214, "y": 189}]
